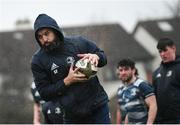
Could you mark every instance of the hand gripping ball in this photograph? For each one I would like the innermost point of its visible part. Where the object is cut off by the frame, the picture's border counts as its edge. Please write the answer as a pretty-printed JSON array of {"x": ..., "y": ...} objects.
[{"x": 86, "y": 68}]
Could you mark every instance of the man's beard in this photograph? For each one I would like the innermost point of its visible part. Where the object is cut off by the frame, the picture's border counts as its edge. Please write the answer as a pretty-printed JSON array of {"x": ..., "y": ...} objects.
[
  {"x": 127, "y": 80},
  {"x": 52, "y": 46}
]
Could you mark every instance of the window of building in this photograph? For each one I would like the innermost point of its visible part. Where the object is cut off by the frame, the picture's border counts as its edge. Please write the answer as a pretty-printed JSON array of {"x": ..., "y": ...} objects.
[{"x": 165, "y": 26}]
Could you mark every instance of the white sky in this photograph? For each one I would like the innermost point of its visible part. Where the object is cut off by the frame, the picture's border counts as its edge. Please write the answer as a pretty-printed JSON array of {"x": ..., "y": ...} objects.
[{"x": 83, "y": 12}]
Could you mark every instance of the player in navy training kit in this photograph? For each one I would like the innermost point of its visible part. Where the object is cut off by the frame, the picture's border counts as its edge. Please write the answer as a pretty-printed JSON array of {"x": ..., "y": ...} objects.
[
  {"x": 136, "y": 98},
  {"x": 166, "y": 81},
  {"x": 57, "y": 79}
]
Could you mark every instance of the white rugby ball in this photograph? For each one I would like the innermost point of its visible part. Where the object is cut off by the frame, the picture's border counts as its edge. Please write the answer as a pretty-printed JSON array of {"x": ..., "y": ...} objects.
[{"x": 86, "y": 68}]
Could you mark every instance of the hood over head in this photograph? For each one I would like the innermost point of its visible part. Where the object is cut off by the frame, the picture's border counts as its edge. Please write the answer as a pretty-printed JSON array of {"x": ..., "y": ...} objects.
[{"x": 45, "y": 21}]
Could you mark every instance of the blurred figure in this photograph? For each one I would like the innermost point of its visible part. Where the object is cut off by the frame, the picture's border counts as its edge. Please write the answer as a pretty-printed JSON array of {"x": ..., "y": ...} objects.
[
  {"x": 137, "y": 102},
  {"x": 166, "y": 81},
  {"x": 37, "y": 104},
  {"x": 57, "y": 79},
  {"x": 51, "y": 111}
]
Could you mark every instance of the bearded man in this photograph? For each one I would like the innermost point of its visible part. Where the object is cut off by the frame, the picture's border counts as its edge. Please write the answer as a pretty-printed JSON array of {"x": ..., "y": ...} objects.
[{"x": 136, "y": 98}]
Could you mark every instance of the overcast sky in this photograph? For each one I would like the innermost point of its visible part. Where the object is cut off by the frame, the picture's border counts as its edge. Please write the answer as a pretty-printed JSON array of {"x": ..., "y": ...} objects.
[{"x": 83, "y": 12}]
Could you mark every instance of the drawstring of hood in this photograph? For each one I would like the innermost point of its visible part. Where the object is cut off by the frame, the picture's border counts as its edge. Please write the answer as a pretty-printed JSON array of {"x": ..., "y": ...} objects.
[{"x": 45, "y": 21}]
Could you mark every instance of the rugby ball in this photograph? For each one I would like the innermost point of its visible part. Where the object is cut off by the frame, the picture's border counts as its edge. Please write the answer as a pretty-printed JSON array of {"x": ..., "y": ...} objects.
[{"x": 86, "y": 68}]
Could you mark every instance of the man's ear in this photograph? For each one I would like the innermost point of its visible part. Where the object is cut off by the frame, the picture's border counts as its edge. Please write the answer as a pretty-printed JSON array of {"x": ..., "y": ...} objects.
[
  {"x": 134, "y": 70},
  {"x": 117, "y": 71},
  {"x": 174, "y": 47}
]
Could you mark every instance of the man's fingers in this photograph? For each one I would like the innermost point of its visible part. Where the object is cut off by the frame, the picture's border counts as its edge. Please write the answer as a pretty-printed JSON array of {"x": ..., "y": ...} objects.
[
  {"x": 93, "y": 58},
  {"x": 95, "y": 62},
  {"x": 81, "y": 79},
  {"x": 71, "y": 67},
  {"x": 81, "y": 55},
  {"x": 80, "y": 75},
  {"x": 76, "y": 70}
]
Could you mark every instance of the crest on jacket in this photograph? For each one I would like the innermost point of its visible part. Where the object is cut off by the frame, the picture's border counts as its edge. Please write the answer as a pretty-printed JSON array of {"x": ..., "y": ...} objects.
[{"x": 70, "y": 60}]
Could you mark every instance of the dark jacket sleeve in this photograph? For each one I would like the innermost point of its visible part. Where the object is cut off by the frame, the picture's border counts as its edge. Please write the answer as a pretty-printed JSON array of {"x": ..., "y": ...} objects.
[
  {"x": 177, "y": 70},
  {"x": 87, "y": 46},
  {"x": 48, "y": 90},
  {"x": 154, "y": 79}
]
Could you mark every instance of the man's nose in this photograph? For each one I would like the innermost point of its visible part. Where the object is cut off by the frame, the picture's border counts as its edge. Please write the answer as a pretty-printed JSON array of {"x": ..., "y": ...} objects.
[{"x": 45, "y": 38}]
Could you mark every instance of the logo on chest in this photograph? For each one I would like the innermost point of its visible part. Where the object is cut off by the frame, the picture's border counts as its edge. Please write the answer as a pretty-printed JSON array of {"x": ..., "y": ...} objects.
[
  {"x": 67, "y": 62},
  {"x": 169, "y": 73},
  {"x": 54, "y": 68},
  {"x": 130, "y": 94},
  {"x": 158, "y": 75}
]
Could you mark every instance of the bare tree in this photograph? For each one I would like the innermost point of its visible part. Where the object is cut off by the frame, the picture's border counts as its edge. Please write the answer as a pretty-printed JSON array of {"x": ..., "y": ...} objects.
[{"x": 174, "y": 7}]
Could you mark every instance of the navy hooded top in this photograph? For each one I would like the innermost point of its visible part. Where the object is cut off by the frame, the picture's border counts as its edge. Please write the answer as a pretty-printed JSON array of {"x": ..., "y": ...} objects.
[{"x": 50, "y": 69}]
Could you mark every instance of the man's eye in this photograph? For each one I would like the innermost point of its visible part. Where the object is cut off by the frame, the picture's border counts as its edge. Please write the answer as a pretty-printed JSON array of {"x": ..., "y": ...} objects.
[
  {"x": 164, "y": 50},
  {"x": 39, "y": 37},
  {"x": 46, "y": 33}
]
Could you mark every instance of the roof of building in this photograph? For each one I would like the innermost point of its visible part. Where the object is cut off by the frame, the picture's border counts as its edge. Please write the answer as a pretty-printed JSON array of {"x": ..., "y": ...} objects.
[
  {"x": 114, "y": 40},
  {"x": 168, "y": 27}
]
